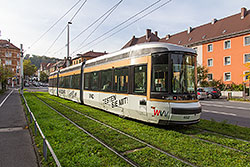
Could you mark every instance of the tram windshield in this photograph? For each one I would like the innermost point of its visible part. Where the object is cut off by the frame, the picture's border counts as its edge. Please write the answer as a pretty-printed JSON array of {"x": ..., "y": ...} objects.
[{"x": 173, "y": 72}]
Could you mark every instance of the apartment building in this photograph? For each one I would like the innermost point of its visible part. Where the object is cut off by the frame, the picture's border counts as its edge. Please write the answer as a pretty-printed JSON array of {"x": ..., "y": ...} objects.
[
  {"x": 86, "y": 56},
  {"x": 10, "y": 58}
]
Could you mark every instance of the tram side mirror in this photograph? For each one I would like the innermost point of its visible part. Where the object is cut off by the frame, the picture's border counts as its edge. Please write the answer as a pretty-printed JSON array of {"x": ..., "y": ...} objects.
[{"x": 143, "y": 102}]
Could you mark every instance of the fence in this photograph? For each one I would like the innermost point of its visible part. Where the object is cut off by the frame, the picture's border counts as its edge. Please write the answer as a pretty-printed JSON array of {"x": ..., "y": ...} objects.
[{"x": 45, "y": 141}]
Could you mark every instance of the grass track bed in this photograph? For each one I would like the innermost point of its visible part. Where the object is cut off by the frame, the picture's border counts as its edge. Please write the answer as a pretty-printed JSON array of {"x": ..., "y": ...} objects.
[
  {"x": 230, "y": 142},
  {"x": 179, "y": 144},
  {"x": 226, "y": 129},
  {"x": 71, "y": 145}
]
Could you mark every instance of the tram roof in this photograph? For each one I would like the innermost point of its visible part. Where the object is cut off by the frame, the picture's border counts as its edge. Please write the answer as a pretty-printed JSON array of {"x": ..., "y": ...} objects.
[
  {"x": 152, "y": 45},
  {"x": 167, "y": 46}
]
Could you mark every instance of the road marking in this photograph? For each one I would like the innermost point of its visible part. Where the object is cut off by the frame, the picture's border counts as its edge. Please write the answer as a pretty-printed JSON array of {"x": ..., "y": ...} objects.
[
  {"x": 11, "y": 129},
  {"x": 224, "y": 106},
  {"x": 216, "y": 112},
  {"x": 6, "y": 98}
]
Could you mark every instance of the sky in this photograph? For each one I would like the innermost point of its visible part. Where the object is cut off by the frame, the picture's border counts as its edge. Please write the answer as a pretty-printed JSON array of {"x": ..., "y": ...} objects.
[{"x": 24, "y": 21}]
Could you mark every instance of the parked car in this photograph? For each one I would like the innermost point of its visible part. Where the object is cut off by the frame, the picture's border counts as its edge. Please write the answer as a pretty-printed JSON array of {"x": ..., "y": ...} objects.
[
  {"x": 201, "y": 94},
  {"x": 212, "y": 92},
  {"x": 26, "y": 84}
]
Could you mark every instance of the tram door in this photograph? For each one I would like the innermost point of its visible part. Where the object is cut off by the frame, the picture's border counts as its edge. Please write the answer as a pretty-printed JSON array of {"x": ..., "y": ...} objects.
[{"x": 140, "y": 88}]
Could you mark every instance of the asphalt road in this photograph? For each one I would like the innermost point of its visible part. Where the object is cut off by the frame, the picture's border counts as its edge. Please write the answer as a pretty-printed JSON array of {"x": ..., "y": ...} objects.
[{"x": 220, "y": 110}]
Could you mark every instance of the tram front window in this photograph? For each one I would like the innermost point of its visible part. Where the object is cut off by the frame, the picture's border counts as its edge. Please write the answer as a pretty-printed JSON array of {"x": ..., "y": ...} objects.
[
  {"x": 183, "y": 79},
  {"x": 172, "y": 73}
]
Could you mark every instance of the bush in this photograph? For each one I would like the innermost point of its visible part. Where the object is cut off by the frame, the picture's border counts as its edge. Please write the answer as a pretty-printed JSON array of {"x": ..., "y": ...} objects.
[{"x": 234, "y": 87}]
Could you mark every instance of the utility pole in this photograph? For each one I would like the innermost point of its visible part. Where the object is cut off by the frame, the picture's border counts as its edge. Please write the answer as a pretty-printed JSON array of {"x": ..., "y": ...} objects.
[
  {"x": 21, "y": 70},
  {"x": 67, "y": 59}
]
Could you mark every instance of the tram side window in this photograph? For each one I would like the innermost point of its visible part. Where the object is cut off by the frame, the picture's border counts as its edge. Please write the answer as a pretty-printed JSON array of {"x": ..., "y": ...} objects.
[
  {"x": 51, "y": 82},
  {"x": 94, "y": 81},
  {"x": 54, "y": 82},
  {"x": 75, "y": 84},
  {"x": 61, "y": 82},
  {"x": 67, "y": 81},
  {"x": 121, "y": 80},
  {"x": 140, "y": 79},
  {"x": 86, "y": 81},
  {"x": 106, "y": 80}
]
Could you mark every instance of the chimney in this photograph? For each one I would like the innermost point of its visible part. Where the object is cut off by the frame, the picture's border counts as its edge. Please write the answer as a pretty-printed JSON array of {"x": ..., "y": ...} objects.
[
  {"x": 167, "y": 37},
  {"x": 243, "y": 12},
  {"x": 156, "y": 33},
  {"x": 148, "y": 34},
  {"x": 189, "y": 30},
  {"x": 213, "y": 20}
]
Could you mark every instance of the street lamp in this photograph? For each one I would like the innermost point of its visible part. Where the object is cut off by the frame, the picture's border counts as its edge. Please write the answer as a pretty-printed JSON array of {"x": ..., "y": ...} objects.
[
  {"x": 21, "y": 70},
  {"x": 67, "y": 59}
]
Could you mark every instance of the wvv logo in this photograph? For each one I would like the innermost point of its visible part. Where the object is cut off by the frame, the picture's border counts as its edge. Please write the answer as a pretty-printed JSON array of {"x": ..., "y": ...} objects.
[{"x": 161, "y": 113}]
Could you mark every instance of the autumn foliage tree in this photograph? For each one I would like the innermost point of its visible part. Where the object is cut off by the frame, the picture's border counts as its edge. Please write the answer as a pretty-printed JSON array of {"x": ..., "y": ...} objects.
[
  {"x": 28, "y": 68},
  {"x": 5, "y": 73}
]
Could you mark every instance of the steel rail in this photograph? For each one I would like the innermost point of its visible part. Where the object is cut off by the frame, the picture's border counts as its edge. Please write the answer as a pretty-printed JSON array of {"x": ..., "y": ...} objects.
[{"x": 130, "y": 136}]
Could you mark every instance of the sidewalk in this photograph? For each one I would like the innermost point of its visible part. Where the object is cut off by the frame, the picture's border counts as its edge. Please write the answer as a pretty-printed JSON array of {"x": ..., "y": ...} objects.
[{"x": 16, "y": 148}]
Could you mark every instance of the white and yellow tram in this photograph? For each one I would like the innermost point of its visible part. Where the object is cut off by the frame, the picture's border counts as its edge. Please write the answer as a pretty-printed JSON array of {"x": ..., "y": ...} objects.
[{"x": 151, "y": 82}]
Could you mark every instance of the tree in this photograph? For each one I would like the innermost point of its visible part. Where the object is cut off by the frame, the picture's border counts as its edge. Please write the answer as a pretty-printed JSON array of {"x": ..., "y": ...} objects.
[
  {"x": 5, "y": 73},
  {"x": 202, "y": 72},
  {"x": 28, "y": 68},
  {"x": 43, "y": 77}
]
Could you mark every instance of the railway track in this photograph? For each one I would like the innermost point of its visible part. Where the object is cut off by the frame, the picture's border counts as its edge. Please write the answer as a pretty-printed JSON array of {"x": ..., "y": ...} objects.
[{"x": 121, "y": 155}]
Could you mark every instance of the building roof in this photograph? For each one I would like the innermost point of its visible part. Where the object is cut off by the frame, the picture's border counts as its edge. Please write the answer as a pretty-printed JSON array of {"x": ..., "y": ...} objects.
[
  {"x": 231, "y": 26},
  {"x": 149, "y": 37},
  {"x": 91, "y": 54},
  {"x": 7, "y": 44}
]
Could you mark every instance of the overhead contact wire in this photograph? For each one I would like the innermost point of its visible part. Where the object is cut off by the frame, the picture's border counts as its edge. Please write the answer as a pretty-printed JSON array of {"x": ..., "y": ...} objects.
[
  {"x": 145, "y": 9},
  {"x": 101, "y": 22},
  {"x": 107, "y": 12},
  {"x": 66, "y": 26},
  {"x": 132, "y": 22},
  {"x": 53, "y": 25}
]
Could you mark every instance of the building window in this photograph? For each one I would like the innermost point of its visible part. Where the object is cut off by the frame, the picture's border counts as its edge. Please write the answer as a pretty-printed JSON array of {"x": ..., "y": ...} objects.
[
  {"x": 17, "y": 55},
  {"x": 8, "y": 62},
  {"x": 227, "y": 44},
  {"x": 227, "y": 76},
  {"x": 8, "y": 54},
  {"x": 210, "y": 47},
  {"x": 210, "y": 62},
  {"x": 247, "y": 40},
  {"x": 210, "y": 77},
  {"x": 246, "y": 75},
  {"x": 247, "y": 58},
  {"x": 227, "y": 60}
]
